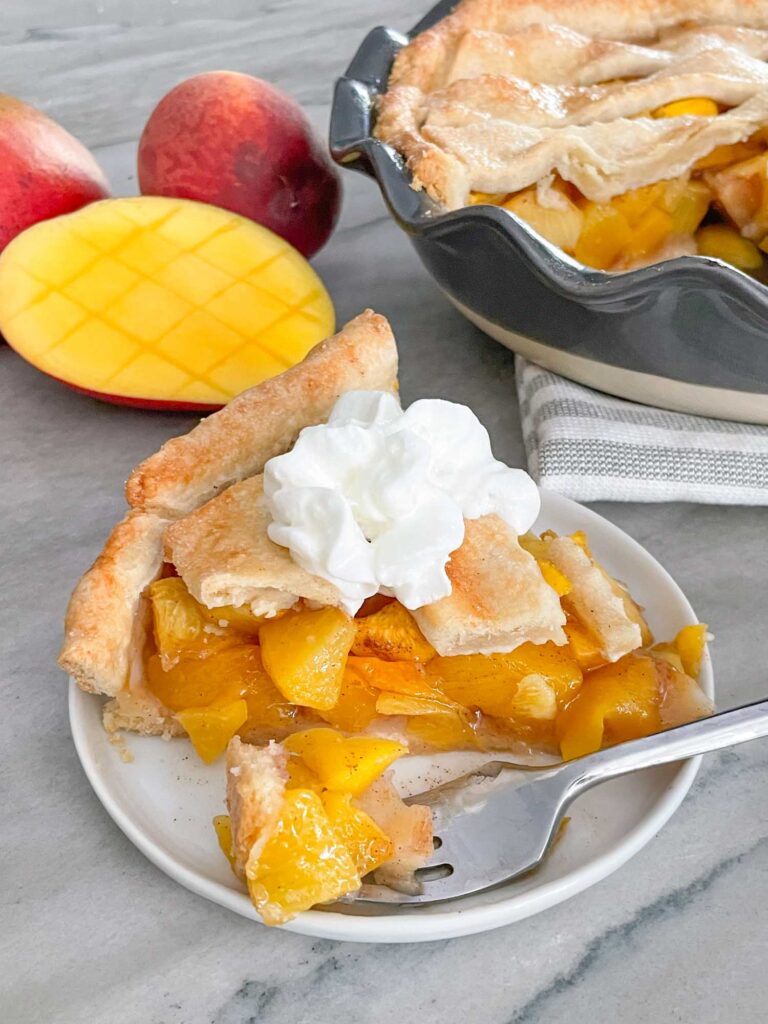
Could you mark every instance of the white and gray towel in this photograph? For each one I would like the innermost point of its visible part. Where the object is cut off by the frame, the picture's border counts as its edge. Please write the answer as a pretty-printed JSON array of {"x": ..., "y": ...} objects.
[{"x": 591, "y": 447}]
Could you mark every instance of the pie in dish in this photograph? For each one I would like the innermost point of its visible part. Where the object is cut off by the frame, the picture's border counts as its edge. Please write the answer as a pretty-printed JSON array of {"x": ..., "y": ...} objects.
[
  {"x": 194, "y": 621},
  {"x": 624, "y": 133}
]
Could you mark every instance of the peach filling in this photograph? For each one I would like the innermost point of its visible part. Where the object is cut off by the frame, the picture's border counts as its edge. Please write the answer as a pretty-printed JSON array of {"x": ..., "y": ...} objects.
[
  {"x": 223, "y": 672},
  {"x": 718, "y": 209}
]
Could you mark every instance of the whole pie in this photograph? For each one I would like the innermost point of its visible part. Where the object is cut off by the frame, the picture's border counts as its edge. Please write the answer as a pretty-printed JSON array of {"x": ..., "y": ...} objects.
[
  {"x": 194, "y": 621},
  {"x": 624, "y": 133}
]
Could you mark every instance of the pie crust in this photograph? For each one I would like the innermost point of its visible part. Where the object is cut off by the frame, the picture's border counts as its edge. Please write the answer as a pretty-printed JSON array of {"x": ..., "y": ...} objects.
[{"x": 502, "y": 94}]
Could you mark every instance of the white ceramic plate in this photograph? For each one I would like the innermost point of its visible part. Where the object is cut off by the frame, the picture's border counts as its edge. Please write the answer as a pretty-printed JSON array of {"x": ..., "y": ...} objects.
[{"x": 165, "y": 799}]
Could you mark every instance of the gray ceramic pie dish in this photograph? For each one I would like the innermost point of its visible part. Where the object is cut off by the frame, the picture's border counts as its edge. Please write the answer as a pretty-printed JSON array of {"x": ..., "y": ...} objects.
[{"x": 688, "y": 334}]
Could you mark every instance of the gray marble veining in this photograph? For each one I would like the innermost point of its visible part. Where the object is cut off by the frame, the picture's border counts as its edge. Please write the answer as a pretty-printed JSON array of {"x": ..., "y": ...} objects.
[{"x": 89, "y": 930}]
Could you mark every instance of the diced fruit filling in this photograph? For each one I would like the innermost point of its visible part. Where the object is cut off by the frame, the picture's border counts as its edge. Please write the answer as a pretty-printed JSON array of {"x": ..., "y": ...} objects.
[
  {"x": 719, "y": 208},
  {"x": 223, "y": 673}
]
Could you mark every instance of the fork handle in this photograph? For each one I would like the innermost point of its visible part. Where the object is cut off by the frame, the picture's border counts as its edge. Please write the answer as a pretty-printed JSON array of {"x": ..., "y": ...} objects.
[{"x": 725, "y": 729}]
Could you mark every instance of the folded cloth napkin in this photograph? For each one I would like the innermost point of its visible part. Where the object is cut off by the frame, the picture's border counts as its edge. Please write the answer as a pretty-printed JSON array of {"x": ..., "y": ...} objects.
[{"x": 591, "y": 447}]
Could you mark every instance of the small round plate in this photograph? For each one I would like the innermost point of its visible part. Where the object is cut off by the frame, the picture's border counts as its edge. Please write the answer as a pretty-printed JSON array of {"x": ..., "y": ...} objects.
[{"x": 165, "y": 799}]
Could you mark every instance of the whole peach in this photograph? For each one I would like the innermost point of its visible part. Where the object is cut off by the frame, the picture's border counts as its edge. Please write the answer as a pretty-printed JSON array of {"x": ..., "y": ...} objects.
[
  {"x": 44, "y": 171},
  {"x": 238, "y": 142}
]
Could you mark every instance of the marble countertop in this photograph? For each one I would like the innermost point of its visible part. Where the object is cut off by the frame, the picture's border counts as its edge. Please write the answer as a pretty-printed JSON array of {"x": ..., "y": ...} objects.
[{"x": 89, "y": 929}]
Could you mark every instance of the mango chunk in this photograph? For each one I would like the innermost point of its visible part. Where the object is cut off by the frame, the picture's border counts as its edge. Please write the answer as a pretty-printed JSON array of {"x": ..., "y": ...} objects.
[
  {"x": 561, "y": 225},
  {"x": 604, "y": 237},
  {"x": 144, "y": 305},
  {"x": 691, "y": 643},
  {"x": 211, "y": 728},
  {"x": 222, "y": 825},
  {"x": 490, "y": 682},
  {"x": 182, "y": 630},
  {"x": 584, "y": 647},
  {"x": 696, "y": 106},
  {"x": 304, "y": 861},
  {"x": 356, "y": 706},
  {"x": 688, "y": 207},
  {"x": 305, "y": 653},
  {"x": 616, "y": 703},
  {"x": 367, "y": 844},
  {"x": 439, "y": 723},
  {"x": 349, "y": 765},
  {"x": 391, "y": 634},
  {"x": 230, "y": 675},
  {"x": 725, "y": 243}
]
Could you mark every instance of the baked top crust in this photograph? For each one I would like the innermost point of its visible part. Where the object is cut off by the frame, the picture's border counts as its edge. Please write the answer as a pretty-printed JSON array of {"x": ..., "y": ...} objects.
[
  {"x": 223, "y": 554},
  {"x": 107, "y": 617},
  {"x": 235, "y": 442},
  {"x": 499, "y": 598},
  {"x": 598, "y": 600},
  {"x": 503, "y": 93},
  {"x": 256, "y": 780}
]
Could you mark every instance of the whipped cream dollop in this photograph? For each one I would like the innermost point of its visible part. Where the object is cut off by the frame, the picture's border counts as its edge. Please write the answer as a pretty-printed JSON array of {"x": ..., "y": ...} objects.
[{"x": 374, "y": 500}]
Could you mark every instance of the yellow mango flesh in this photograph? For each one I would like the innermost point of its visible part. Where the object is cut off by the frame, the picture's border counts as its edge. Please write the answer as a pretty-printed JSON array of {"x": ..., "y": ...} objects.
[
  {"x": 691, "y": 643},
  {"x": 160, "y": 300},
  {"x": 725, "y": 243},
  {"x": 438, "y": 722},
  {"x": 229, "y": 675},
  {"x": 303, "y": 862},
  {"x": 348, "y": 765},
  {"x": 211, "y": 728},
  {"x": 223, "y": 827},
  {"x": 696, "y": 106},
  {"x": 490, "y": 682},
  {"x": 617, "y": 702},
  {"x": 366, "y": 843},
  {"x": 181, "y": 628},
  {"x": 305, "y": 653},
  {"x": 584, "y": 647},
  {"x": 356, "y": 706},
  {"x": 561, "y": 224},
  {"x": 604, "y": 237},
  {"x": 391, "y": 634}
]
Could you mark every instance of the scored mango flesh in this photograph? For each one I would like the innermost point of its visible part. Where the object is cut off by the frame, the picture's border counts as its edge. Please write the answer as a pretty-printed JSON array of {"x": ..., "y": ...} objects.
[
  {"x": 728, "y": 186},
  {"x": 322, "y": 672},
  {"x": 160, "y": 300}
]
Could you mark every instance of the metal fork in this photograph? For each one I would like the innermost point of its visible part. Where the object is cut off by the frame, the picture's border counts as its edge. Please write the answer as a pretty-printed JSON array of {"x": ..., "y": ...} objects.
[{"x": 500, "y": 821}]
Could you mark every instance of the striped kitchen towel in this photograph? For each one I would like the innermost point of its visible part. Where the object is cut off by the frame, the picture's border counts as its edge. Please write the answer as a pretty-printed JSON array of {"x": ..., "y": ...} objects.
[{"x": 592, "y": 447}]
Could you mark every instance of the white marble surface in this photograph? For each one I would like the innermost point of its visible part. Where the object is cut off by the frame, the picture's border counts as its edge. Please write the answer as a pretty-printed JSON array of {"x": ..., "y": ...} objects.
[{"x": 89, "y": 930}]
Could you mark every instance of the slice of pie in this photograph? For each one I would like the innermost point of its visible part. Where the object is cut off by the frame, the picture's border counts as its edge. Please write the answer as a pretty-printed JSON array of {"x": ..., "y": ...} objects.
[
  {"x": 195, "y": 621},
  {"x": 623, "y": 134}
]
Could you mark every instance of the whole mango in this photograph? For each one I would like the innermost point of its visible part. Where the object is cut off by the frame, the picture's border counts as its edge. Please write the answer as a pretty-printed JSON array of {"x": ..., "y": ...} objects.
[
  {"x": 44, "y": 171},
  {"x": 238, "y": 142}
]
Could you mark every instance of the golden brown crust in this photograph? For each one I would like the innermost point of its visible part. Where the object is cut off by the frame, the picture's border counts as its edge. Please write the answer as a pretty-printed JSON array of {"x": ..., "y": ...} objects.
[
  {"x": 223, "y": 554},
  {"x": 499, "y": 598},
  {"x": 705, "y": 48},
  {"x": 237, "y": 441},
  {"x": 105, "y": 621},
  {"x": 256, "y": 778},
  {"x": 596, "y": 599}
]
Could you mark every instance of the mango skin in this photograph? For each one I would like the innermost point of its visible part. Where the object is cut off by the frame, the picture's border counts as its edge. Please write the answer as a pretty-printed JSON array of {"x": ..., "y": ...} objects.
[
  {"x": 238, "y": 142},
  {"x": 44, "y": 171}
]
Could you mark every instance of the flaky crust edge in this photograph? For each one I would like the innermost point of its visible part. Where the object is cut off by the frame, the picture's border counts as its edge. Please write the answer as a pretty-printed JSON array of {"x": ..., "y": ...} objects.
[
  {"x": 265, "y": 420},
  {"x": 104, "y": 615}
]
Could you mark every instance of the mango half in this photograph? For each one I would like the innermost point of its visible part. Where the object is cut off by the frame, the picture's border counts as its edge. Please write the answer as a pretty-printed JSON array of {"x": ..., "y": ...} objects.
[{"x": 159, "y": 302}]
